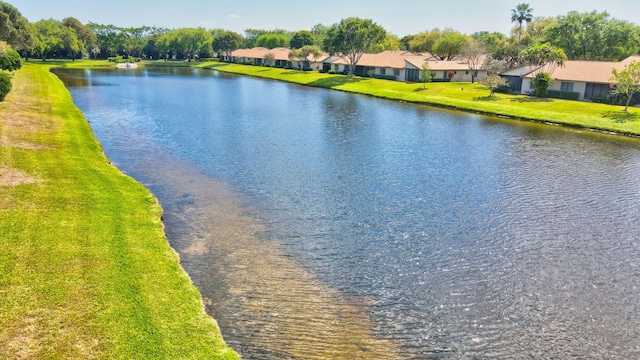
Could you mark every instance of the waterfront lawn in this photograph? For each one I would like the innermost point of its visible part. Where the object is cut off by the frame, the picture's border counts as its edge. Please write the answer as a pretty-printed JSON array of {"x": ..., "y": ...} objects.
[
  {"x": 85, "y": 269},
  {"x": 463, "y": 96}
]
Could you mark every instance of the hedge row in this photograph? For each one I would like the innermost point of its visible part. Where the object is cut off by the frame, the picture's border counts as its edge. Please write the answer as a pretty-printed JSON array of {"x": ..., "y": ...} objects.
[{"x": 567, "y": 95}]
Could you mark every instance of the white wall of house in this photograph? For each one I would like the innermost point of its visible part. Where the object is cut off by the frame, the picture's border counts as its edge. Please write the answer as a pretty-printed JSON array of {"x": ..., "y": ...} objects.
[
  {"x": 576, "y": 86},
  {"x": 398, "y": 73}
]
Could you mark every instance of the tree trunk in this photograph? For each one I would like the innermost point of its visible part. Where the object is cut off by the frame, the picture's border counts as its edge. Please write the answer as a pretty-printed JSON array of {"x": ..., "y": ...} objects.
[{"x": 629, "y": 97}]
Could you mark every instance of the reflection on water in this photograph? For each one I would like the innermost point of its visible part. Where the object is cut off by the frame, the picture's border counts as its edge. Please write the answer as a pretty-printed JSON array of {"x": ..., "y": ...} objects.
[{"x": 325, "y": 225}]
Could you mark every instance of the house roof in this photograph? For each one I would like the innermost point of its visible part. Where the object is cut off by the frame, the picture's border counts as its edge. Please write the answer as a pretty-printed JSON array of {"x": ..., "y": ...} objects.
[
  {"x": 589, "y": 71},
  {"x": 387, "y": 59},
  {"x": 259, "y": 53},
  {"x": 439, "y": 65},
  {"x": 280, "y": 53}
]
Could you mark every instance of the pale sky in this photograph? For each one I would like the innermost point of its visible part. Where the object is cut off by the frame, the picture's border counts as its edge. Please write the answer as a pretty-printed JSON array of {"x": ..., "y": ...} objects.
[{"x": 399, "y": 17}]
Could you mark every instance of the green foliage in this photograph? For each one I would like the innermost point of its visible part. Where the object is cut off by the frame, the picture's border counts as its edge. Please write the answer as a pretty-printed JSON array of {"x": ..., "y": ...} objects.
[
  {"x": 522, "y": 13},
  {"x": 306, "y": 55},
  {"x": 449, "y": 44},
  {"x": 545, "y": 57},
  {"x": 272, "y": 41},
  {"x": 425, "y": 74},
  {"x": 5, "y": 86},
  {"x": 617, "y": 98},
  {"x": 390, "y": 42},
  {"x": 567, "y": 95},
  {"x": 87, "y": 39},
  {"x": 352, "y": 37},
  {"x": 226, "y": 42},
  {"x": 494, "y": 81},
  {"x": 594, "y": 36},
  {"x": 542, "y": 81},
  {"x": 384, "y": 77},
  {"x": 252, "y": 35},
  {"x": 10, "y": 60},
  {"x": 57, "y": 39},
  {"x": 423, "y": 42},
  {"x": 300, "y": 39},
  {"x": 627, "y": 81},
  {"x": 186, "y": 41},
  {"x": 16, "y": 29}
]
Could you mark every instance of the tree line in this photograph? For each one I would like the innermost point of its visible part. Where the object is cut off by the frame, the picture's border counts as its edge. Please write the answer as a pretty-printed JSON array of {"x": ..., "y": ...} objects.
[{"x": 582, "y": 36}]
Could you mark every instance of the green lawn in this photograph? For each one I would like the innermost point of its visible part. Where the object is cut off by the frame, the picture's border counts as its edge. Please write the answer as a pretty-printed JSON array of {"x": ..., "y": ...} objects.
[
  {"x": 85, "y": 269},
  {"x": 463, "y": 96}
]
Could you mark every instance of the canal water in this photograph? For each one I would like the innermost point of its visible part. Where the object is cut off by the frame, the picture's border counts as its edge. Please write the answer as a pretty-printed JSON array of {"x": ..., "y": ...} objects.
[{"x": 320, "y": 224}]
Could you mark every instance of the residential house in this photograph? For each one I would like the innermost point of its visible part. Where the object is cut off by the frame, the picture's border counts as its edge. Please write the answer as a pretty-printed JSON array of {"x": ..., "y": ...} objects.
[
  {"x": 390, "y": 64},
  {"x": 445, "y": 70},
  {"x": 255, "y": 56},
  {"x": 591, "y": 79}
]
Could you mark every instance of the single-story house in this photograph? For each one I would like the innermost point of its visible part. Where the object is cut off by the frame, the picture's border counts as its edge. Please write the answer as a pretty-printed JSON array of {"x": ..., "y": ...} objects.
[
  {"x": 398, "y": 65},
  {"x": 452, "y": 70},
  {"x": 591, "y": 79},
  {"x": 390, "y": 63},
  {"x": 255, "y": 56}
]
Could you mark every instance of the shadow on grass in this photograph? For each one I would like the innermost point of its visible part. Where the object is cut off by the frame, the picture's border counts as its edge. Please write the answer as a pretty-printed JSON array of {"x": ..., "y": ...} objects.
[
  {"x": 334, "y": 81},
  {"x": 420, "y": 89},
  {"x": 621, "y": 117},
  {"x": 486, "y": 98},
  {"x": 531, "y": 99}
]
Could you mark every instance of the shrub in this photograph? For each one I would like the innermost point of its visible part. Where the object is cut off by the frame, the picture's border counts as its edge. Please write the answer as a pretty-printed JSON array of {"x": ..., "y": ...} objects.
[
  {"x": 618, "y": 98},
  {"x": 332, "y": 72},
  {"x": 5, "y": 86},
  {"x": 384, "y": 77},
  {"x": 567, "y": 95},
  {"x": 542, "y": 81},
  {"x": 503, "y": 90}
]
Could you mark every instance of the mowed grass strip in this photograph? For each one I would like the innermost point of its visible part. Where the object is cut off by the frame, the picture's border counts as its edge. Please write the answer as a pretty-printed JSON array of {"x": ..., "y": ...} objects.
[
  {"x": 463, "y": 96},
  {"x": 85, "y": 269}
]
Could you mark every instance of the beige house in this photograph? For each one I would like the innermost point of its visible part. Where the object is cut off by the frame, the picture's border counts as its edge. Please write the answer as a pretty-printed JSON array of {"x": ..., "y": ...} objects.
[
  {"x": 398, "y": 65},
  {"x": 455, "y": 70},
  {"x": 591, "y": 79}
]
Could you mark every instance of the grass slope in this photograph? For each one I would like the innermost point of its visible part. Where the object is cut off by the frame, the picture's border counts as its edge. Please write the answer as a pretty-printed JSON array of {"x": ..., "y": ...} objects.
[
  {"x": 85, "y": 268},
  {"x": 463, "y": 96}
]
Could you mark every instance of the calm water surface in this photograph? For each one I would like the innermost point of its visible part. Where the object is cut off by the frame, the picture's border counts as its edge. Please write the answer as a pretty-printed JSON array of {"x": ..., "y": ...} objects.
[{"x": 319, "y": 224}]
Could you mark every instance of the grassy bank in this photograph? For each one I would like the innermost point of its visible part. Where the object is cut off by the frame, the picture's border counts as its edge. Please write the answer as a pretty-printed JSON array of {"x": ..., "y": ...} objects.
[
  {"x": 85, "y": 269},
  {"x": 463, "y": 96}
]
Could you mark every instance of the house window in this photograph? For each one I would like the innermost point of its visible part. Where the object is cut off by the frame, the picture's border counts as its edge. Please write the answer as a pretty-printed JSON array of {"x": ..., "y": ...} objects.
[
  {"x": 566, "y": 86},
  {"x": 383, "y": 71},
  {"x": 532, "y": 86},
  {"x": 396, "y": 72}
]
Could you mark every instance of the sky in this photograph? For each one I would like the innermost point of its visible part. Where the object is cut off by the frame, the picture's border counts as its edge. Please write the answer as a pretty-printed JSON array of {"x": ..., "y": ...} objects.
[{"x": 398, "y": 17}]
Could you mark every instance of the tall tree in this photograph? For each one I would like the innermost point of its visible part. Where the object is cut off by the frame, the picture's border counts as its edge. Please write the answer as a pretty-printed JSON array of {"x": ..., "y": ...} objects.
[
  {"x": 352, "y": 37},
  {"x": 86, "y": 37},
  {"x": 474, "y": 52},
  {"x": 390, "y": 42},
  {"x": 627, "y": 81},
  {"x": 187, "y": 41},
  {"x": 271, "y": 41},
  {"x": 449, "y": 44},
  {"x": 522, "y": 13},
  {"x": 424, "y": 42},
  {"x": 56, "y": 39},
  {"x": 226, "y": 42},
  {"x": 594, "y": 36},
  {"x": 16, "y": 30},
  {"x": 300, "y": 39},
  {"x": 319, "y": 32}
]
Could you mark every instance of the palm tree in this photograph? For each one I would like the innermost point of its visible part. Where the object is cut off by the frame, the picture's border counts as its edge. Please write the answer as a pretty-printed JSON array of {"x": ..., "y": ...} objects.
[{"x": 522, "y": 12}]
